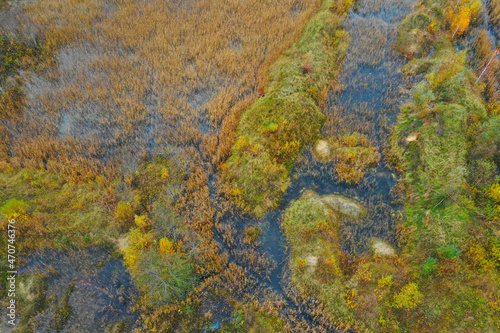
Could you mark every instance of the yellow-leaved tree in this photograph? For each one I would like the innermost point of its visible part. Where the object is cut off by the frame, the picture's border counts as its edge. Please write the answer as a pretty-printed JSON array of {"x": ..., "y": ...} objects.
[{"x": 460, "y": 14}]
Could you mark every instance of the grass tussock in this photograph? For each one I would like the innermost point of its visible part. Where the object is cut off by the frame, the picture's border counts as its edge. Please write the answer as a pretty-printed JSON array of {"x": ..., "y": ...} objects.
[
  {"x": 273, "y": 130},
  {"x": 353, "y": 154}
]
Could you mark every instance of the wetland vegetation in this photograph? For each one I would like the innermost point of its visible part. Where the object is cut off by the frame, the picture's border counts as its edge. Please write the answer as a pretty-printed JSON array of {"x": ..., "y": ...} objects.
[{"x": 251, "y": 166}]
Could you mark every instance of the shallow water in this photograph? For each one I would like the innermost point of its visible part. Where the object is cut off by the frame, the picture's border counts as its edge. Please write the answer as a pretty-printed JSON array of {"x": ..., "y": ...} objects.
[{"x": 104, "y": 292}]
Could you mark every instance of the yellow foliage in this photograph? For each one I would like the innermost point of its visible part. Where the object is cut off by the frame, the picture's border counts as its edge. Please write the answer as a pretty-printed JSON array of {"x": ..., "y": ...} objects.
[
  {"x": 494, "y": 192},
  {"x": 364, "y": 272},
  {"x": 478, "y": 257},
  {"x": 331, "y": 267},
  {"x": 137, "y": 242},
  {"x": 350, "y": 298},
  {"x": 124, "y": 214},
  {"x": 389, "y": 323},
  {"x": 493, "y": 108},
  {"x": 142, "y": 222},
  {"x": 164, "y": 173},
  {"x": 166, "y": 246},
  {"x": 290, "y": 147},
  {"x": 385, "y": 282},
  {"x": 494, "y": 303},
  {"x": 236, "y": 192},
  {"x": 301, "y": 264},
  {"x": 460, "y": 15},
  {"x": 432, "y": 27},
  {"x": 409, "y": 297},
  {"x": 14, "y": 209}
]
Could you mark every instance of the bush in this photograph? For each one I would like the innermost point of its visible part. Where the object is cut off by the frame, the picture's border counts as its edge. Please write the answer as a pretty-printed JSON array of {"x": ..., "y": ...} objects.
[
  {"x": 494, "y": 192},
  {"x": 252, "y": 234},
  {"x": 164, "y": 278},
  {"x": 385, "y": 282},
  {"x": 413, "y": 35},
  {"x": 124, "y": 215},
  {"x": 449, "y": 252},
  {"x": 14, "y": 209},
  {"x": 408, "y": 298},
  {"x": 166, "y": 247},
  {"x": 142, "y": 222},
  {"x": 429, "y": 266}
]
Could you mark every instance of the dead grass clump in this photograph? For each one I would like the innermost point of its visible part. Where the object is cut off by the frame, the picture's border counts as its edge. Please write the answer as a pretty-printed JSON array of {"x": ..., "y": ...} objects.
[
  {"x": 353, "y": 154},
  {"x": 252, "y": 234}
]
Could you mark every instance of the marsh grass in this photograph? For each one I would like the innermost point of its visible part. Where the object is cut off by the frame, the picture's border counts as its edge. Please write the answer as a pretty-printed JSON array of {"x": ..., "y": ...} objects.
[
  {"x": 447, "y": 268},
  {"x": 115, "y": 71},
  {"x": 437, "y": 145}
]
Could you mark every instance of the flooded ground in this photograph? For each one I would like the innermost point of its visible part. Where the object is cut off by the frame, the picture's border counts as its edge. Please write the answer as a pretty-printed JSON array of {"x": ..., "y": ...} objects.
[{"x": 103, "y": 293}]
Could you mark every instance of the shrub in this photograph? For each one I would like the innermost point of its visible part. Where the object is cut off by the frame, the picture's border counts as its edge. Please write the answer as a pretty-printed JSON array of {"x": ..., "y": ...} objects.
[
  {"x": 14, "y": 209},
  {"x": 124, "y": 215},
  {"x": 364, "y": 272},
  {"x": 478, "y": 258},
  {"x": 429, "y": 266},
  {"x": 164, "y": 278},
  {"x": 142, "y": 222},
  {"x": 252, "y": 234},
  {"x": 494, "y": 192},
  {"x": 413, "y": 35},
  {"x": 385, "y": 282},
  {"x": 166, "y": 247},
  {"x": 138, "y": 242},
  {"x": 449, "y": 252},
  {"x": 408, "y": 298}
]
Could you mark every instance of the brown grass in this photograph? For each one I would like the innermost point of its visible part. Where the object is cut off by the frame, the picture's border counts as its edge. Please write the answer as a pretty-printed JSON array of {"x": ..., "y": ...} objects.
[{"x": 134, "y": 78}]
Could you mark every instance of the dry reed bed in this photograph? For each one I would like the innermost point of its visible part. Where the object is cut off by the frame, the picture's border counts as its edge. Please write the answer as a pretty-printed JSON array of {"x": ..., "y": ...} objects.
[{"x": 136, "y": 77}]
